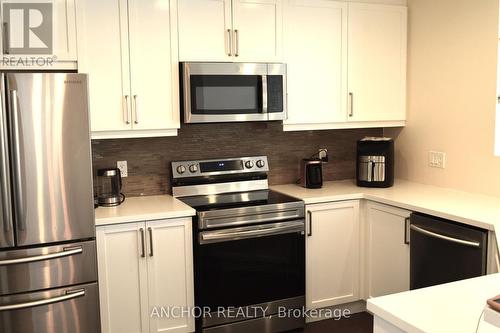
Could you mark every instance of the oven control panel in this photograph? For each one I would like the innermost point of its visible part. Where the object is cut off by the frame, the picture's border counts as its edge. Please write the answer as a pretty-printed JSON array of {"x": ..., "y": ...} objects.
[{"x": 213, "y": 167}]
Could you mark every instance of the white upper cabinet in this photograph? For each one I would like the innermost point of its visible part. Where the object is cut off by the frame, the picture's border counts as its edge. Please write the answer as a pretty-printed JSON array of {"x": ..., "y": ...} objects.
[
  {"x": 225, "y": 30},
  {"x": 64, "y": 51},
  {"x": 332, "y": 254},
  {"x": 315, "y": 51},
  {"x": 377, "y": 62},
  {"x": 346, "y": 64},
  {"x": 153, "y": 65},
  {"x": 132, "y": 66},
  {"x": 387, "y": 250},
  {"x": 205, "y": 30},
  {"x": 257, "y": 30}
]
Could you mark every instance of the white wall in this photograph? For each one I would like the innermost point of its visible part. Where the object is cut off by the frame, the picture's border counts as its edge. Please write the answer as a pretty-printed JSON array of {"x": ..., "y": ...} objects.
[{"x": 452, "y": 60}]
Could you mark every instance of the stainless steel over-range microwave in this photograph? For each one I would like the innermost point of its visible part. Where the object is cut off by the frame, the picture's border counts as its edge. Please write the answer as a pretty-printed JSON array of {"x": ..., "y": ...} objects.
[{"x": 229, "y": 92}]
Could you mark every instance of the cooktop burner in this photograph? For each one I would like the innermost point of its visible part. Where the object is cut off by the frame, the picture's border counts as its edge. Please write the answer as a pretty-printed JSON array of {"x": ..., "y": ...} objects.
[{"x": 237, "y": 200}]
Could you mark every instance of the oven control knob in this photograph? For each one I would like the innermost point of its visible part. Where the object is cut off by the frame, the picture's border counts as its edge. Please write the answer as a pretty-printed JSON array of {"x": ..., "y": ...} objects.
[
  {"x": 181, "y": 169},
  {"x": 193, "y": 168},
  {"x": 249, "y": 164},
  {"x": 260, "y": 163}
]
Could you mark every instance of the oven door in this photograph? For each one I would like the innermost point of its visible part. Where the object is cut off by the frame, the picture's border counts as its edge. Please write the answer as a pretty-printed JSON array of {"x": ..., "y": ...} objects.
[
  {"x": 252, "y": 265},
  {"x": 224, "y": 92}
]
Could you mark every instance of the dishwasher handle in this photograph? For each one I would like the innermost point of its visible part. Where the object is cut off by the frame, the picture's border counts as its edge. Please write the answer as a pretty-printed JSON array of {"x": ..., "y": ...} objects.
[{"x": 444, "y": 237}]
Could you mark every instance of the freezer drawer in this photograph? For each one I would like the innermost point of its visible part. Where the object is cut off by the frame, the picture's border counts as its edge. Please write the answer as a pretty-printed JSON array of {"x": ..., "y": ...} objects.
[
  {"x": 47, "y": 267},
  {"x": 71, "y": 309}
]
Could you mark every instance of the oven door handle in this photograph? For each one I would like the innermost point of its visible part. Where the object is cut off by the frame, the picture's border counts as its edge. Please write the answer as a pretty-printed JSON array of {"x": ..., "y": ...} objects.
[{"x": 208, "y": 237}]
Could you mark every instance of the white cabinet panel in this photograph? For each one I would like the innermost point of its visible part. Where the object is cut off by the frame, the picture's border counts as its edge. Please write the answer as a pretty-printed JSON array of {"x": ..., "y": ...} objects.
[
  {"x": 170, "y": 272},
  {"x": 257, "y": 28},
  {"x": 153, "y": 65},
  {"x": 377, "y": 62},
  {"x": 387, "y": 250},
  {"x": 315, "y": 51},
  {"x": 122, "y": 279},
  {"x": 332, "y": 254},
  {"x": 103, "y": 54},
  {"x": 63, "y": 40},
  {"x": 203, "y": 30}
]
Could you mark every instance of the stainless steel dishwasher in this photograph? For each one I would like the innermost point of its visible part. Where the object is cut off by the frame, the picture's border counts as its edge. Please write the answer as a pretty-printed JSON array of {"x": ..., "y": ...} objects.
[{"x": 444, "y": 251}]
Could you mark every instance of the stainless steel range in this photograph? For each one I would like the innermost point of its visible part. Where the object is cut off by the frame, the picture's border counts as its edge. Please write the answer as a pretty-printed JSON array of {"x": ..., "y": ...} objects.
[{"x": 249, "y": 246}]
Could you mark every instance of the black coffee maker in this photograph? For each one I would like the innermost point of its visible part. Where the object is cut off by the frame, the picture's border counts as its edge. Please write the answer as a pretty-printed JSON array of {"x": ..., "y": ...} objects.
[
  {"x": 375, "y": 162},
  {"x": 109, "y": 182}
]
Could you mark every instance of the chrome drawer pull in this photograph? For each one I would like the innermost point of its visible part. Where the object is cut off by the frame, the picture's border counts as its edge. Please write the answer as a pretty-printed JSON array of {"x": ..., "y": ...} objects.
[{"x": 70, "y": 294}]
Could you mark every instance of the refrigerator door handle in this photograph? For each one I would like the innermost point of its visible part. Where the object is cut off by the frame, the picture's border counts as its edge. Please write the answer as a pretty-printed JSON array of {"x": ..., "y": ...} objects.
[
  {"x": 69, "y": 294},
  {"x": 5, "y": 171},
  {"x": 67, "y": 251},
  {"x": 16, "y": 154}
]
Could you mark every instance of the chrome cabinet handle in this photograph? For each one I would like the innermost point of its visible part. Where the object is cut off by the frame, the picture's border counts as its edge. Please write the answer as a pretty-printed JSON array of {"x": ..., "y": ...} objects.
[
  {"x": 150, "y": 230},
  {"x": 67, "y": 251},
  {"x": 16, "y": 162},
  {"x": 443, "y": 237},
  {"x": 310, "y": 215},
  {"x": 143, "y": 248},
  {"x": 229, "y": 45},
  {"x": 69, "y": 294},
  {"x": 6, "y": 39},
  {"x": 126, "y": 110},
  {"x": 407, "y": 229},
  {"x": 136, "y": 112},
  {"x": 351, "y": 104},
  {"x": 236, "y": 43}
]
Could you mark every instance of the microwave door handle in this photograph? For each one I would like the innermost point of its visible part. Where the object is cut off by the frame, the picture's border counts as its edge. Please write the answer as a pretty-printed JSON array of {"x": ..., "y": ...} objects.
[{"x": 264, "y": 93}]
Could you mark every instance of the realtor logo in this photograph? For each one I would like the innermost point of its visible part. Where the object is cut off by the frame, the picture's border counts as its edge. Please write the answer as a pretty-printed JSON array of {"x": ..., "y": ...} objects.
[{"x": 27, "y": 28}]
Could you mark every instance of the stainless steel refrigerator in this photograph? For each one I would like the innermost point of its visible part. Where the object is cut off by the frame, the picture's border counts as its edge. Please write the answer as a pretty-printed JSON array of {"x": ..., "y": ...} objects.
[{"x": 48, "y": 269}]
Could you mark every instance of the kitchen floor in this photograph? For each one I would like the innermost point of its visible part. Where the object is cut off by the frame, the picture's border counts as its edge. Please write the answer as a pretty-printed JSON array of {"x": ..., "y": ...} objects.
[{"x": 357, "y": 323}]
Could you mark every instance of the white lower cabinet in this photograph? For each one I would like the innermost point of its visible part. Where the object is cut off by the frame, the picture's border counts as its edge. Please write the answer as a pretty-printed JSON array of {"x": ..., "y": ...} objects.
[
  {"x": 332, "y": 254},
  {"x": 387, "y": 250},
  {"x": 143, "y": 267}
]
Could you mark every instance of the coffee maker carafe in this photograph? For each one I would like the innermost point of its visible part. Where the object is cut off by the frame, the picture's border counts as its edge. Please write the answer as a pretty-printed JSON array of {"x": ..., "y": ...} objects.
[{"x": 109, "y": 183}]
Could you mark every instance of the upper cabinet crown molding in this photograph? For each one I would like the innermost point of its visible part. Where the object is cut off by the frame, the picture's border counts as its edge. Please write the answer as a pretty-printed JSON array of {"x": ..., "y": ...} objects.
[
  {"x": 230, "y": 30},
  {"x": 358, "y": 77},
  {"x": 64, "y": 43},
  {"x": 132, "y": 66}
]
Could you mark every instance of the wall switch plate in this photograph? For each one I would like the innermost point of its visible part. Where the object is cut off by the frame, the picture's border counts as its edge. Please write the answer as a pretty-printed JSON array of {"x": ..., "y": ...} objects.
[
  {"x": 437, "y": 159},
  {"x": 122, "y": 165},
  {"x": 323, "y": 154}
]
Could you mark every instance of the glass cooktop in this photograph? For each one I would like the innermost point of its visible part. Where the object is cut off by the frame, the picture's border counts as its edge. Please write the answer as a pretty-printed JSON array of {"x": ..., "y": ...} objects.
[{"x": 236, "y": 200}]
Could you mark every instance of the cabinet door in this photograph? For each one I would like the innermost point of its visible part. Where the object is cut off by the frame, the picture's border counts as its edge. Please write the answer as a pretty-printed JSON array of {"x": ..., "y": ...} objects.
[
  {"x": 153, "y": 64},
  {"x": 257, "y": 30},
  {"x": 332, "y": 254},
  {"x": 122, "y": 278},
  {"x": 315, "y": 51},
  {"x": 63, "y": 37},
  {"x": 388, "y": 251},
  {"x": 103, "y": 54},
  {"x": 170, "y": 272},
  {"x": 204, "y": 30},
  {"x": 377, "y": 62}
]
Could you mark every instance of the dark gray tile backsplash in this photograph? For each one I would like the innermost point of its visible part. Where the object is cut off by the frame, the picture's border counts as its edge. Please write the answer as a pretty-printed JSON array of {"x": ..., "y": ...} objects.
[{"x": 149, "y": 158}]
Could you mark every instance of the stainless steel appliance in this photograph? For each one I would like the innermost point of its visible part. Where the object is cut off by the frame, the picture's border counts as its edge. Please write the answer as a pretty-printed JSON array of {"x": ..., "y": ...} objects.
[
  {"x": 311, "y": 173},
  {"x": 48, "y": 268},
  {"x": 229, "y": 92},
  {"x": 375, "y": 162},
  {"x": 249, "y": 245},
  {"x": 109, "y": 184},
  {"x": 443, "y": 251}
]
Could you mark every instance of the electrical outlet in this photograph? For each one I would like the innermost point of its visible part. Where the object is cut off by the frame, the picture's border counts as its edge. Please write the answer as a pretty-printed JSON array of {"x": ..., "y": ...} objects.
[
  {"x": 323, "y": 154},
  {"x": 122, "y": 165},
  {"x": 437, "y": 159}
]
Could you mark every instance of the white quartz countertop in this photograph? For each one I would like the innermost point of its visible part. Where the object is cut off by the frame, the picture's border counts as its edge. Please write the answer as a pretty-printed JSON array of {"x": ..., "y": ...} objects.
[
  {"x": 145, "y": 208},
  {"x": 453, "y": 307},
  {"x": 469, "y": 208}
]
